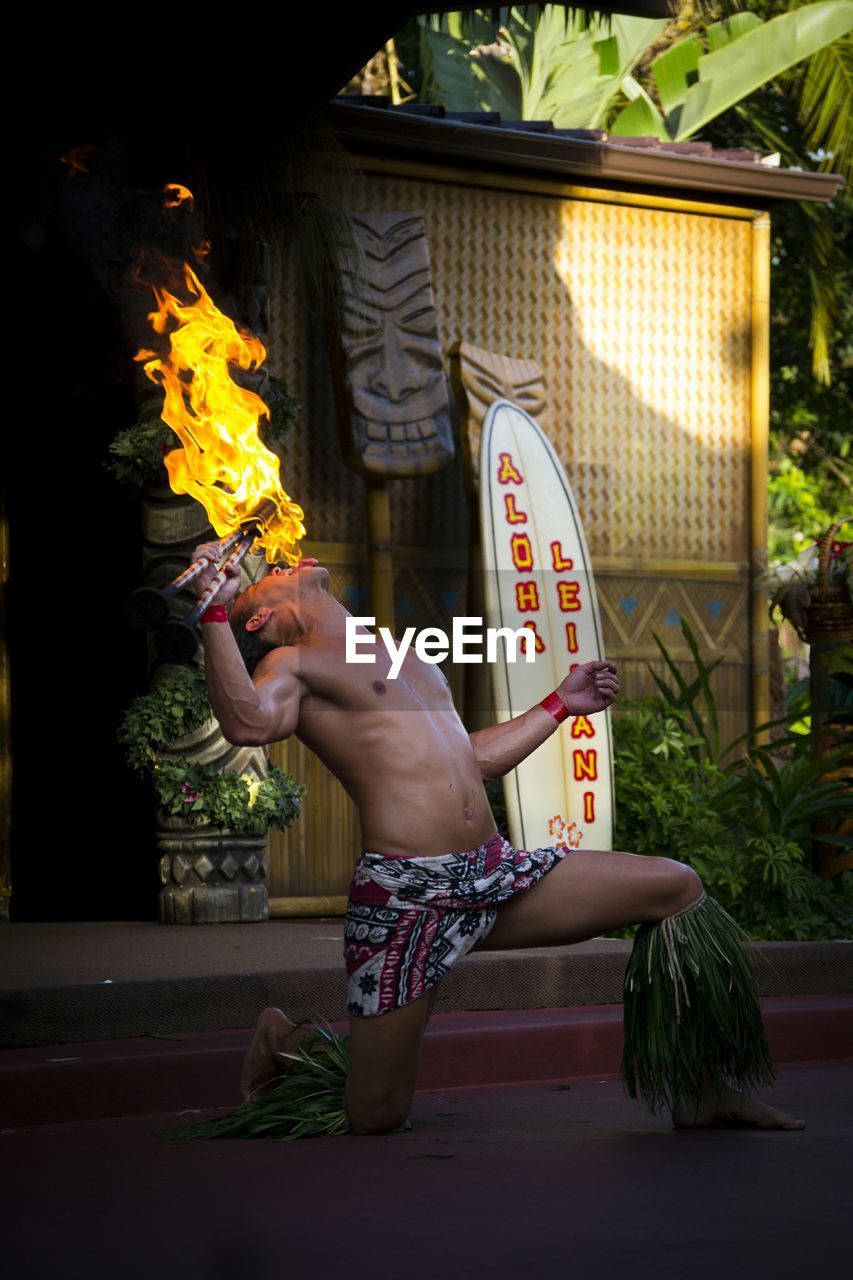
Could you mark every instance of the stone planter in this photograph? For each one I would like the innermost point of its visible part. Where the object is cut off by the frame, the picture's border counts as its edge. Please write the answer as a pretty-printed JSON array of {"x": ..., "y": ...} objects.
[{"x": 210, "y": 875}]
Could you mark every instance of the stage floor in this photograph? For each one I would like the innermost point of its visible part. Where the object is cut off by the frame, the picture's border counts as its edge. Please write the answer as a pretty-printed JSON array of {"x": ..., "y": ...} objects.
[{"x": 549, "y": 1180}]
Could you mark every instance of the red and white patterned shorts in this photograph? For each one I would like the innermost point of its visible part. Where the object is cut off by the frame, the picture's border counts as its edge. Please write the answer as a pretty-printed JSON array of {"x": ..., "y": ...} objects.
[{"x": 409, "y": 919}]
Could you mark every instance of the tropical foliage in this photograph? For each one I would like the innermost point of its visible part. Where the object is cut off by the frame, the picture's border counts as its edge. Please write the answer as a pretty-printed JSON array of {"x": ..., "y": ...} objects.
[
  {"x": 577, "y": 69},
  {"x": 741, "y": 814},
  {"x": 778, "y": 77},
  {"x": 175, "y": 708},
  {"x": 668, "y": 804},
  {"x": 803, "y": 504},
  {"x": 199, "y": 794}
]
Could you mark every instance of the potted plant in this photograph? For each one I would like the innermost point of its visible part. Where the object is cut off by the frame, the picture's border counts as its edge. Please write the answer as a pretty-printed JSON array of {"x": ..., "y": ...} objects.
[
  {"x": 214, "y": 809},
  {"x": 215, "y": 801}
]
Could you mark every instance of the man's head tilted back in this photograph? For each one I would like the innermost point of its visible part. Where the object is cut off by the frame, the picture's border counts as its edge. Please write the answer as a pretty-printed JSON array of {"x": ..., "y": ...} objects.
[
  {"x": 253, "y": 644},
  {"x": 276, "y": 611}
]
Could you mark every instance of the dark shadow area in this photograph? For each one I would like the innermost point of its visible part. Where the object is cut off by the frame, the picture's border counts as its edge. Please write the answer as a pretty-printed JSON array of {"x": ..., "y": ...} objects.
[
  {"x": 83, "y": 825},
  {"x": 170, "y": 104}
]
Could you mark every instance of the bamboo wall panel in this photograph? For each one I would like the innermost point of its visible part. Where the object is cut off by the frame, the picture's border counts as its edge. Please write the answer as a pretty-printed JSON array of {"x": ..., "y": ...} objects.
[
  {"x": 635, "y": 610},
  {"x": 640, "y": 320},
  {"x": 316, "y": 855}
]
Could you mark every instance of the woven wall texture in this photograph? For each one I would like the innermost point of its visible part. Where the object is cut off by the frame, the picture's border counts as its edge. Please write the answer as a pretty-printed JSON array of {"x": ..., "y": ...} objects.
[{"x": 639, "y": 319}]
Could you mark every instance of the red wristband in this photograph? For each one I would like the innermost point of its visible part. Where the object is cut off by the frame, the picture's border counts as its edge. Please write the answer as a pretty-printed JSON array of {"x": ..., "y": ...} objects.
[
  {"x": 555, "y": 707},
  {"x": 214, "y": 613}
]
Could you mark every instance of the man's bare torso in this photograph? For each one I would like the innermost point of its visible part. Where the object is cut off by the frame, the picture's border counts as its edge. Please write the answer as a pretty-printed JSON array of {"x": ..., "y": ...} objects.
[{"x": 397, "y": 746}]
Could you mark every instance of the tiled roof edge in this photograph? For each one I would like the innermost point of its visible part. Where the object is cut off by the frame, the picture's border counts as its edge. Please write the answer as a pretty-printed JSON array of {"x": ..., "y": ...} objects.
[{"x": 566, "y": 155}]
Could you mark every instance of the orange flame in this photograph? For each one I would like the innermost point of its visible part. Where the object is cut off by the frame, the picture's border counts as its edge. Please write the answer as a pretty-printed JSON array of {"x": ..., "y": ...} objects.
[
  {"x": 175, "y": 194},
  {"x": 224, "y": 463},
  {"x": 75, "y": 160}
]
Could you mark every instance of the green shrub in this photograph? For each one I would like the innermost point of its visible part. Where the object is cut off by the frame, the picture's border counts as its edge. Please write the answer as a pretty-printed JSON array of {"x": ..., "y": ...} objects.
[
  {"x": 666, "y": 801},
  {"x": 745, "y": 826},
  {"x": 137, "y": 453},
  {"x": 199, "y": 793},
  {"x": 155, "y": 720}
]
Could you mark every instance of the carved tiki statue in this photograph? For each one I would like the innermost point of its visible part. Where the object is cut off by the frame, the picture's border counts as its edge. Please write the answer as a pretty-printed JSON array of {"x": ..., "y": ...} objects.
[
  {"x": 394, "y": 408},
  {"x": 482, "y": 377}
]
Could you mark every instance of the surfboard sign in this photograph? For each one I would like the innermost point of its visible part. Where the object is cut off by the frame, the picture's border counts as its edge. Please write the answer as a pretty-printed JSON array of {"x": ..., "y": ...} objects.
[{"x": 538, "y": 574}]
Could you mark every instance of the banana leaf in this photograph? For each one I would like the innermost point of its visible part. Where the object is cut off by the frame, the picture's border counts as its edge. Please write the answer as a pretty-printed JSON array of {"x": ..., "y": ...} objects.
[
  {"x": 741, "y": 65},
  {"x": 574, "y": 82}
]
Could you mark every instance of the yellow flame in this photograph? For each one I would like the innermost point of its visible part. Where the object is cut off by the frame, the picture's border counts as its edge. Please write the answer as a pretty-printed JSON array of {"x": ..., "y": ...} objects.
[
  {"x": 253, "y": 785},
  {"x": 224, "y": 463}
]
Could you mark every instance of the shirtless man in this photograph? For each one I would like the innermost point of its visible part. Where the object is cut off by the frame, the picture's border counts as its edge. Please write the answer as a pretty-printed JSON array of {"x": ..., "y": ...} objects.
[{"x": 404, "y": 756}]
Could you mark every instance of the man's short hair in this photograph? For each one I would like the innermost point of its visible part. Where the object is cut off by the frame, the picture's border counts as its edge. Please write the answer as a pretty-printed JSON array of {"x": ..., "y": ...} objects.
[{"x": 253, "y": 645}]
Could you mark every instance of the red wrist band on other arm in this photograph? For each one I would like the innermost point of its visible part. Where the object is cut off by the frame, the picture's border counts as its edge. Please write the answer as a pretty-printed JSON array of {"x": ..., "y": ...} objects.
[
  {"x": 214, "y": 613},
  {"x": 555, "y": 707}
]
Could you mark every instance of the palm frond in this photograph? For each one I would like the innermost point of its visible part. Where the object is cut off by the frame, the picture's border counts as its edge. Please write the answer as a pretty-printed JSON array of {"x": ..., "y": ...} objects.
[
  {"x": 826, "y": 261},
  {"x": 820, "y": 248},
  {"x": 826, "y": 106}
]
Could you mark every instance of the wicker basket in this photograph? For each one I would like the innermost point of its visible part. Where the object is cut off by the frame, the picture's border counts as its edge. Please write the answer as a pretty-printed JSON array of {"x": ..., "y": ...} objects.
[
  {"x": 829, "y": 627},
  {"x": 830, "y": 612}
]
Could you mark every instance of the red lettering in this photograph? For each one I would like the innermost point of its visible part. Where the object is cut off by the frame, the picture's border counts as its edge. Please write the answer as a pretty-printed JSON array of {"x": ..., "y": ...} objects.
[
  {"x": 527, "y": 597},
  {"x": 540, "y": 643},
  {"x": 559, "y": 560},
  {"x": 508, "y": 473},
  {"x": 567, "y": 593},
  {"x": 522, "y": 552},
  {"x": 586, "y": 765},
  {"x": 513, "y": 515}
]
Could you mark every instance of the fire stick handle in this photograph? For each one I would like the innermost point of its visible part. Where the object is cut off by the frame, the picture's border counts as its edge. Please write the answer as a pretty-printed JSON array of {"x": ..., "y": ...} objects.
[
  {"x": 191, "y": 573},
  {"x": 248, "y": 537}
]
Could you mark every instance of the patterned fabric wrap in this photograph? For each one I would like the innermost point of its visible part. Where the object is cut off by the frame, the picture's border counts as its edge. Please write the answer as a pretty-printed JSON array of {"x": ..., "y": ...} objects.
[{"x": 410, "y": 919}]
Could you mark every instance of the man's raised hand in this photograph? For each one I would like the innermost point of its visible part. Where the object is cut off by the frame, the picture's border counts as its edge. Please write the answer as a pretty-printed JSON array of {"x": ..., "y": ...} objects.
[
  {"x": 591, "y": 687},
  {"x": 230, "y": 587}
]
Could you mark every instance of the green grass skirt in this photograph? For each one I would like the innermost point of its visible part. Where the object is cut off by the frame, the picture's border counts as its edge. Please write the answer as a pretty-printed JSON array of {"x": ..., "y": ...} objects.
[
  {"x": 692, "y": 1021},
  {"x": 692, "y": 1018},
  {"x": 307, "y": 1102}
]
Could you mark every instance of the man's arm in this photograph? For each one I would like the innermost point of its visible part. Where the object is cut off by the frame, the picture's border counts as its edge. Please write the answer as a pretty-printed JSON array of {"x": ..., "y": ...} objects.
[
  {"x": 587, "y": 690},
  {"x": 250, "y": 712}
]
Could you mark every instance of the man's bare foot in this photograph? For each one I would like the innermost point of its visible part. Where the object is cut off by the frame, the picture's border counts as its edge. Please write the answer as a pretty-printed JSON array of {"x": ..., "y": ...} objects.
[
  {"x": 264, "y": 1062},
  {"x": 731, "y": 1110}
]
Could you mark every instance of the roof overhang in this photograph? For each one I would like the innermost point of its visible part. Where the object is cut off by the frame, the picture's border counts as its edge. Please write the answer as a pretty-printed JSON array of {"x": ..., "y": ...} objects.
[
  {"x": 613, "y": 162},
  {"x": 634, "y": 8}
]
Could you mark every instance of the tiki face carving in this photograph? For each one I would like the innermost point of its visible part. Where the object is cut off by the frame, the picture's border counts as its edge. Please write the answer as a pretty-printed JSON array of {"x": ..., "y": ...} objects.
[
  {"x": 481, "y": 377},
  {"x": 394, "y": 406}
]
